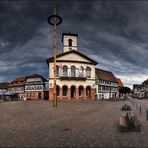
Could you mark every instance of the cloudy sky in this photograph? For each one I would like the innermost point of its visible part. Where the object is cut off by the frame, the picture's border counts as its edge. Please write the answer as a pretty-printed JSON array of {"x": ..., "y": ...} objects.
[{"x": 114, "y": 33}]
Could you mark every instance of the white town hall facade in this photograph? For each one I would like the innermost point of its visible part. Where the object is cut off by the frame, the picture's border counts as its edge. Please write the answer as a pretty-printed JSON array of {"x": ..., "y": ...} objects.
[{"x": 75, "y": 72}]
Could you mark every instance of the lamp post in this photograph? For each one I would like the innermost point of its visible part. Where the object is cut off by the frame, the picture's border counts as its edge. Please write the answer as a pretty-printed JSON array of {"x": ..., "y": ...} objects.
[{"x": 54, "y": 24}]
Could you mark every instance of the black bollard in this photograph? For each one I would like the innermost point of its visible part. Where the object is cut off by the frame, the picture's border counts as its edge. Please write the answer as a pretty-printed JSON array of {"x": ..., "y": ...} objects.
[{"x": 140, "y": 110}]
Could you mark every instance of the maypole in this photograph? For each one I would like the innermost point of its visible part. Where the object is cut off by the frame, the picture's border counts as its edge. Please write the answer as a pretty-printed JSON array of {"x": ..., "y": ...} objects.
[{"x": 54, "y": 24}]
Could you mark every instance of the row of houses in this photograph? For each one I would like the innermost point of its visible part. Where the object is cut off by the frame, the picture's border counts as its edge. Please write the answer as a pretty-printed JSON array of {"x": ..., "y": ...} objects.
[
  {"x": 140, "y": 90},
  {"x": 76, "y": 77},
  {"x": 27, "y": 87},
  {"x": 36, "y": 87}
]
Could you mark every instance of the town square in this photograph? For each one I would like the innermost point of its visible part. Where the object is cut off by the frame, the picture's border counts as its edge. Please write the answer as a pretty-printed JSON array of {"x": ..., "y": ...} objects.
[
  {"x": 73, "y": 73},
  {"x": 73, "y": 124}
]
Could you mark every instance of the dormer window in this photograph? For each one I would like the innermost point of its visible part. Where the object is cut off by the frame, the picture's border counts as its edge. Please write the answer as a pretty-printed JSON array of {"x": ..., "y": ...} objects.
[{"x": 70, "y": 42}]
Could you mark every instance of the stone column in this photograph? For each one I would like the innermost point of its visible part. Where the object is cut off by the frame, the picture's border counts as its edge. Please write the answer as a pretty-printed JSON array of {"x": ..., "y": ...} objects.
[
  {"x": 93, "y": 94},
  {"x": 84, "y": 93},
  {"x": 77, "y": 93},
  {"x": 60, "y": 95},
  {"x": 69, "y": 94}
]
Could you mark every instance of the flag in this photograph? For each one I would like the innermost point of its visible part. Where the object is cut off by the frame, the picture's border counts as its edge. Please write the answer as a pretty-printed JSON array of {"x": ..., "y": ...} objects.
[{"x": 61, "y": 69}]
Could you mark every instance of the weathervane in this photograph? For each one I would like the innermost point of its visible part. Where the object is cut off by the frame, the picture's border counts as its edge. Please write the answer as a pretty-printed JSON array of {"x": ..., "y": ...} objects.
[{"x": 54, "y": 24}]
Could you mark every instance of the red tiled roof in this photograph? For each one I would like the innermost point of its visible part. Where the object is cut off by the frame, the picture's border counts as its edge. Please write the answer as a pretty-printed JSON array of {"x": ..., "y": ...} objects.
[
  {"x": 105, "y": 75},
  {"x": 23, "y": 78},
  {"x": 18, "y": 81},
  {"x": 120, "y": 84}
]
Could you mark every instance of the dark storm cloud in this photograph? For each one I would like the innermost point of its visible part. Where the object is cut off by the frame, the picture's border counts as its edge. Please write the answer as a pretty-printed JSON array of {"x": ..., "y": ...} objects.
[{"x": 114, "y": 33}]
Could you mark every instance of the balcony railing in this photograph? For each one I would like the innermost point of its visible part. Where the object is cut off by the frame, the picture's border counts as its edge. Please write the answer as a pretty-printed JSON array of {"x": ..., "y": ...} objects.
[
  {"x": 72, "y": 78},
  {"x": 108, "y": 91},
  {"x": 107, "y": 84}
]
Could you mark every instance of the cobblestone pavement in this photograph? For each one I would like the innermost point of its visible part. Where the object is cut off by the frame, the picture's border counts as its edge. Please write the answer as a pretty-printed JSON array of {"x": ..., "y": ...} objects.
[{"x": 72, "y": 124}]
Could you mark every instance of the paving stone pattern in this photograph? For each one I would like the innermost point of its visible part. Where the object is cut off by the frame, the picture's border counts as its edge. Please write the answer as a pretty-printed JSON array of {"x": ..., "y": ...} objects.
[{"x": 72, "y": 124}]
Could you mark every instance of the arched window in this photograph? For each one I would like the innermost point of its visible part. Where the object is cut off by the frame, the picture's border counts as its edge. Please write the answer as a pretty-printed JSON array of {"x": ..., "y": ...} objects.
[
  {"x": 81, "y": 71},
  {"x": 57, "y": 71},
  {"x": 70, "y": 42},
  {"x": 88, "y": 91},
  {"x": 64, "y": 90},
  {"x": 65, "y": 71},
  {"x": 88, "y": 72},
  {"x": 73, "y": 71},
  {"x": 81, "y": 91},
  {"x": 58, "y": 90}
]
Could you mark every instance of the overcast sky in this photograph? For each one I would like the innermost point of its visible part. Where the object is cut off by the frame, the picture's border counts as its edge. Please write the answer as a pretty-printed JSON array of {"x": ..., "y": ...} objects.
[{"x": 114, "y": 33}]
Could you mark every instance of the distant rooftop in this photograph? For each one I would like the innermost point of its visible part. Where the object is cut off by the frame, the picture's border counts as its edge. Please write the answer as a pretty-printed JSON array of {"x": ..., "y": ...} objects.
[
  {"x": 120, "y": 84},
  {"x": 105, "y": 75},
  {"x": 145, "y": 82},
  {"x": 4, "y": 85}
]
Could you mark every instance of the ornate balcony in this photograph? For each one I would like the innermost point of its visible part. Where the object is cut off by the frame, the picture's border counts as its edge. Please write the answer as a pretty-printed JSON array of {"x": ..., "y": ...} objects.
[{"x": 72, "y": 78}]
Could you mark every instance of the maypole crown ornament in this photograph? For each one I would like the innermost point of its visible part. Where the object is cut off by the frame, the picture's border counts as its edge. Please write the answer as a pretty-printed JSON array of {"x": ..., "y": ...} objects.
[{"x": 52, "y": 16}]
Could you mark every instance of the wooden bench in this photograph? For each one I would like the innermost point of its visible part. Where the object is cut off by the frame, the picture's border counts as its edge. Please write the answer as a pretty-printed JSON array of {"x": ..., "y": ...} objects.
[
  {"x": 129, "y": 122},
  {"x": 123, "y": 124},
  {"x": 137, "y": 124}
]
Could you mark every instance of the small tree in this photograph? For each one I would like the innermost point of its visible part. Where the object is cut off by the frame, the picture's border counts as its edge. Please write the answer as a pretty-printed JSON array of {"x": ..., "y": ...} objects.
[{"x": 124, "y": 90}]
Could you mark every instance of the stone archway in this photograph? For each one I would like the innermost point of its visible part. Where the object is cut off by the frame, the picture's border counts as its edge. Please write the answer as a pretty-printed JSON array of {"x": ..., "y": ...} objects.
[
  {"x": 73, "y": 92},
  {"x": 81, "y": 91},
  {"x": 88, "y": 92}
]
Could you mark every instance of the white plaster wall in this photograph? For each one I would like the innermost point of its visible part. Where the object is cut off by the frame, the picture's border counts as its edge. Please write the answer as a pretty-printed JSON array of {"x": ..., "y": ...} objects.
[
  {"x": 65, "y": 42},
  {"x": 73, "y": 82},
  {"x": 51, "y": 66},
  {"x": 106, "y": 95},
  {"x": 73, "y": 56},
  {"x": 89, "y": 81}
]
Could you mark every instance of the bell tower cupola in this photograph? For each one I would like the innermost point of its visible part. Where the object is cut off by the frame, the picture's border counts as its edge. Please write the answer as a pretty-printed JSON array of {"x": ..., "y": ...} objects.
[{"x": 69, "y": 41}]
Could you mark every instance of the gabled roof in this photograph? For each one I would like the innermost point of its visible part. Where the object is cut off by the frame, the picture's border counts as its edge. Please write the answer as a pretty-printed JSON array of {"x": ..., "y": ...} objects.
[
  {"x": 4, "y": 85},
  {"x": 69, "y": 52},
  {"x": 120, "y": 84},
  {"x": 136, "y": 86},
  {"x": 105, "y": 75},
  {"x": 18, "y": 79},
  {"x": 36, "y": 76},
  {"x": 145, "y": 82}
]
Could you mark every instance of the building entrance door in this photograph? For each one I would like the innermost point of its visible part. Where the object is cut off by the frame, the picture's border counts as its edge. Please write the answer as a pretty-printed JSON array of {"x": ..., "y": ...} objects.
[
  {"x": 73, "y": 91},
  {"x": 39, "y": 95}
]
